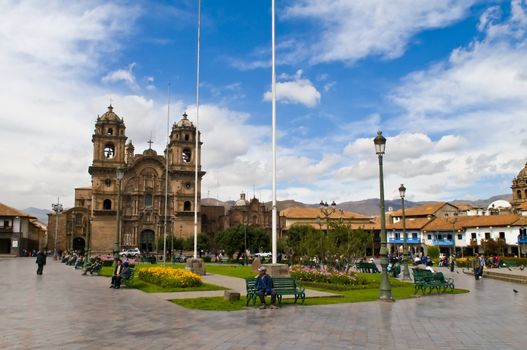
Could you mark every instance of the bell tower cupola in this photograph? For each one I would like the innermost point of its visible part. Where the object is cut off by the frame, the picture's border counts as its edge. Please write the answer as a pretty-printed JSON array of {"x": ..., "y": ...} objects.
[{"x": 109, "y": 140}]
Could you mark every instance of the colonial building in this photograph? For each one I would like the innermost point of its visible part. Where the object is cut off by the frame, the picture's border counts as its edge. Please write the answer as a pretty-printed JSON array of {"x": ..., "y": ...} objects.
[
  {"x": 519, "y": 188},
  {"x": 20, "y": 231},
  {"x": 125, "y": 204}
]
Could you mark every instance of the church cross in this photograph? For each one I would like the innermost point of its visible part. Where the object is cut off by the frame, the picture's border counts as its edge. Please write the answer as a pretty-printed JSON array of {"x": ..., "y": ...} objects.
[{"x": 150, "y": 142}]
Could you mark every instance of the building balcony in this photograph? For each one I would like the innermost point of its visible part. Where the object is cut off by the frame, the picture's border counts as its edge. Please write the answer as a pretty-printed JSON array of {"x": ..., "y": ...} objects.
[
  {"x": 446, "y": 242},
  {"x": 409, "y": 240},
  {"x": 522, "y": 239},
  {"x": 6, "y": 229}
]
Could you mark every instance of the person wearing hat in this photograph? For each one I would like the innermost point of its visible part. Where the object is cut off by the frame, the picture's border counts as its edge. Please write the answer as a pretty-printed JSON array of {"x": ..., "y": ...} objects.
[{"x": 264, "y": 286}]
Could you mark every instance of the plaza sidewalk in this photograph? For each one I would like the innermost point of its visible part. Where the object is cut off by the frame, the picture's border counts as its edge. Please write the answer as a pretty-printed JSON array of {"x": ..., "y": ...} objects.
[{"x": 64, "y": 310}]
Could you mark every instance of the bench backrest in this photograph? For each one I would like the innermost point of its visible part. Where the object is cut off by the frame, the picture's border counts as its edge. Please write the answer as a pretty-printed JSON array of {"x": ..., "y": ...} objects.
[{"x": 278, "y": 283}]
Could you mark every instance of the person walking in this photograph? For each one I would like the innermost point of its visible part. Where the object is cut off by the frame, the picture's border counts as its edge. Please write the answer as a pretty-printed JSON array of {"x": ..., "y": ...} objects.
[
  {"x": 452, "y": 262},
  {"x": 41, "y": 261},
  {"x": 476, "y": 265}
]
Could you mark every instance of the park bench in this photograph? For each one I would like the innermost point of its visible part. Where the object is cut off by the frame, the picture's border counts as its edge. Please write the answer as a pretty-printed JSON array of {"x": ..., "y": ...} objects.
[
  {"x": 151, "y": 259},
  {"x": 367, "y": 267},
  {"x": 281, "y": 285},
  {"x": 425, "y": 279},
  {"x": 125, "y": 281}
]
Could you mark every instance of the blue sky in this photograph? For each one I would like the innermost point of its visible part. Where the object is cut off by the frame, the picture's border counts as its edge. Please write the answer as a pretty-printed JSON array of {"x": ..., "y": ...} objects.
[{"x": 445, "y": 81}]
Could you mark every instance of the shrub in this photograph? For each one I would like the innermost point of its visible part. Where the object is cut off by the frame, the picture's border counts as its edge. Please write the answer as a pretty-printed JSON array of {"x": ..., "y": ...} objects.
[
  {"x": 308, "y": 274},
  {"x": 169, "y": 277},
  {"x": 433, "y": 252}
]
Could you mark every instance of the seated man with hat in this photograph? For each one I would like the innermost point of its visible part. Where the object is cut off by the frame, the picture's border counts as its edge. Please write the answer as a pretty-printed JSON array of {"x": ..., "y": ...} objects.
[{"x": 264, "y": 286}]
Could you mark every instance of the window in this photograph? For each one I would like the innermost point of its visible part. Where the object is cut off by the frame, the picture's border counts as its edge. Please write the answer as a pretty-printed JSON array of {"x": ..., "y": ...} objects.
[
  {"x": 440, "y": 237},
  {"x": 449, "y": 237},
  {"x": 108, "y": 182},
  {"x": 6, "y": 223},
  {"x": 107, "y": 204},
  {"x": 186, "y": 206},
  {"x": 186, "y": 155},
  {"x": 110, "y": 131},
  {"x": 502, "y": 235},
  {"x": 148, "y": 200},
  {"x": 460, "y": 237},
  {"x": 429, "y": 237},
  {"x": 109, "y": 151},
  {"x": 187, "y": 137},
  {"x": 473, "y": 235},
  {"x": 414, "y": 235},
  {"x": 397, "y": 235},
  {"x": 78, "y": 219},
  {"x": 487, "y": 235}
]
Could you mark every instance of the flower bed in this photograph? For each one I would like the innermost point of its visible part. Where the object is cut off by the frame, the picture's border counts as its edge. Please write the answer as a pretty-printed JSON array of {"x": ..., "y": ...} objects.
[
  {"x": 308, "y": 274},
  {"x": 169, "y": 277}
]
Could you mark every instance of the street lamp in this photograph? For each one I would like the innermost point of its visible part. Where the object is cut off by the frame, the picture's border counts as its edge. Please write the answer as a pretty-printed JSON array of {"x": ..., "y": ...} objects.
[
  {"x": 406, "y": 272},
  {"x": 57, "y": 208},
  {"x": 88, "y": 234},
  {"x": 327, "y": 210},
  {"x": 385, "y": 288},
  {"x": 119, "y": 175},
  {"x": 245, "y": 238}
]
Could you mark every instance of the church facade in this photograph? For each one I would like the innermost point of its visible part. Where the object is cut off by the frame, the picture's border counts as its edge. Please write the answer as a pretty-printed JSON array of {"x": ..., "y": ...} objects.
[{"x": 125, "y": 204}]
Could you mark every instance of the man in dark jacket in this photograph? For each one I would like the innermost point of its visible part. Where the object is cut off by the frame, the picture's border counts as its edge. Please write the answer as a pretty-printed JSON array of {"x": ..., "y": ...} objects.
[
  {"x": 264, "y": 286},
  {"x": 41, "y": 261},
  {"x": 116, "y": 277}
]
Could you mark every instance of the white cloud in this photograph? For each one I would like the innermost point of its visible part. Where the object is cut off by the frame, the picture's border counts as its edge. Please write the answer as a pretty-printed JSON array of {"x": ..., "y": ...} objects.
[
  {"x": 46, "y": 52},
  {"x": 125, "y": 75},
  {"x": 351, "y": 30},
  {"x": 295, "y": 90}
]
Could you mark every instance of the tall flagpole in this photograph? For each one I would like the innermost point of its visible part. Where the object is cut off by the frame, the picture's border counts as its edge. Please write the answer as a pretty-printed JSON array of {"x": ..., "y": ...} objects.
[
  {"x": 166, "y": 182},
  {"x": 196, "y": 151},
  {"x": 274, "y": 133}
]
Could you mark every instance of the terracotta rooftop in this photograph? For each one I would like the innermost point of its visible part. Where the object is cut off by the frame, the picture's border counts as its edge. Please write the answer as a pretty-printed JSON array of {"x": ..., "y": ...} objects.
[
  {"x": 9, "y": 211},
  {"x": 490, "y": 220},
  {"x": 422, "y": 210},
  {"x": 312, "y": 213},
  {"x": 411, "y": 224}
]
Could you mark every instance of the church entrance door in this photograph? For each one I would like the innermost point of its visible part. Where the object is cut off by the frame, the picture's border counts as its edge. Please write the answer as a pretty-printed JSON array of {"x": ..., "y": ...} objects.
[
  {"x": 79, "y": 243},
  {"x": 147, "y": 241}
]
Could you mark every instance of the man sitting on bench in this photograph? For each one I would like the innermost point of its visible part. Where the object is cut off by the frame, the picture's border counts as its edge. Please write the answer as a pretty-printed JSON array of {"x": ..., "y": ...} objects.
[
  {"x": 93, "y": 267},
  {"x": 264, "y": 286}
]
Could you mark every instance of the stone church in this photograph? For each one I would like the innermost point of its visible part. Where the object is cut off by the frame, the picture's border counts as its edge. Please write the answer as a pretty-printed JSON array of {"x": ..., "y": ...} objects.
[
  {"x": 519, "y": 189},
  {"x": 125, "y": 204}
]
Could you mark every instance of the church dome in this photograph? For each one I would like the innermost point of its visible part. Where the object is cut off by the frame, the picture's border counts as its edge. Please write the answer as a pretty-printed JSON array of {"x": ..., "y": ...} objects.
[
  {"x": 523, "y": 173},
  {"x": 184, "y": 121},
  {"x": 499, "y": 204},
  {"x": 242, "y": 201},
  {"x": 110, "y": 116}
]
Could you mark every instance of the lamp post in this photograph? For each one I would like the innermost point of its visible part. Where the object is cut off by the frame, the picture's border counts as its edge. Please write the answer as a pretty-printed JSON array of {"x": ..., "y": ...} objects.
[
  {"x": 327, "y": 210},
  {"x": 406, "y": 272},
  {"x": 385, "y": 288},
  {"x": 88, "y": 234},
  {"x": 57, "y": 208},
  {"x": 181, "y": 239},
  {"x": 245, "y": 238},
  {"x": 117, "y": 248}
]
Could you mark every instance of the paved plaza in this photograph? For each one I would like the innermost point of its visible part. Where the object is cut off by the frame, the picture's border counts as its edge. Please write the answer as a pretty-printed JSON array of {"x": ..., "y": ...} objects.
[{"x": 64, "y": 310}]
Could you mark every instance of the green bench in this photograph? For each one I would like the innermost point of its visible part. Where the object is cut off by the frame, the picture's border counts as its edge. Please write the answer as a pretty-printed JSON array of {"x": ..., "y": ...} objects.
[
  {"x": 125, "y": 281},
  {"x": 150, "y": 259},
  {"x": 367, "y": 267},
  {"x": 427, "y": 280},
  {"x": 281, "y": 285}
]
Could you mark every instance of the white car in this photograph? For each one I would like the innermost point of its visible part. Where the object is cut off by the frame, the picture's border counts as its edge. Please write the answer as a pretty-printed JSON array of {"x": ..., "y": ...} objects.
[{"x": 130, "y": 253}]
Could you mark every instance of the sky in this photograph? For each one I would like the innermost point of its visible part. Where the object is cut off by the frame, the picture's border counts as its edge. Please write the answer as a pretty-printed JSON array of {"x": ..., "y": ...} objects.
[{"x": 446, "y": 82}]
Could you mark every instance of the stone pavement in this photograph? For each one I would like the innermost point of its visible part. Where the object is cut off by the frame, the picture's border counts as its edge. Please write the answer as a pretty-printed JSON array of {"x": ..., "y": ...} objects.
[
  {"x": 237, "y": 284},
  {"x": 64, "y": 310}
]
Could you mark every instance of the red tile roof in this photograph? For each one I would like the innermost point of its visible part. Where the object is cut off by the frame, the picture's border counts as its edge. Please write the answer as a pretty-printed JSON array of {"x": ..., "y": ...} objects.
[
  {"x": 312, "y": 213},
  {"x": 9, "y": 211}
]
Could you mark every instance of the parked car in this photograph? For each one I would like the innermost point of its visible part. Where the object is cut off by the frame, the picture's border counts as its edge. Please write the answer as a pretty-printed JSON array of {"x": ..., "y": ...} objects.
[{"x": 131, "y": 253}]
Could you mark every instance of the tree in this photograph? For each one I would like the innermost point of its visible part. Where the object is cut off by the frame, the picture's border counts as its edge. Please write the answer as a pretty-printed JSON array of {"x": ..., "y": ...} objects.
[
  {"x": 232, "y": 240},
  {"x": 433, "y": 252}
]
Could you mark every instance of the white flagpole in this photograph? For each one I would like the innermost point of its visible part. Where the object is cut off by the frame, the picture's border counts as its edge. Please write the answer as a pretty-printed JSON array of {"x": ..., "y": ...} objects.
[
  {"x": 273, "y": 63},
  {"x": 196, "y": 151},
  {"x": 166, "y": 182}
]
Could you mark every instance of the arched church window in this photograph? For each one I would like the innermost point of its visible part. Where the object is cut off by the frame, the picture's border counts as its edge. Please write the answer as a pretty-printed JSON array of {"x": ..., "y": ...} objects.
[
  {"x": 108, "y": 182},
  {"x": 109, "y": 151},
  {"x": 110, "y": 131},
  {"x": 187, "y": 137},
  {"x": 186, "y": 155},
  {"x": 148, "y": 200},
  {"x": 186, "y": 206},
  {"x": 107, "y": 204},
  {"x": 519, "y": 194}
]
